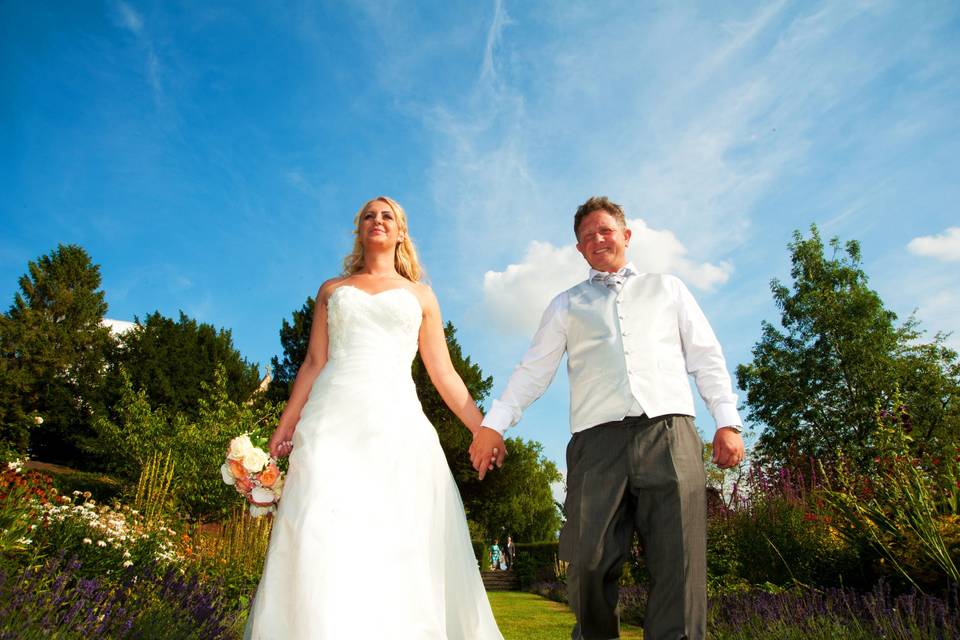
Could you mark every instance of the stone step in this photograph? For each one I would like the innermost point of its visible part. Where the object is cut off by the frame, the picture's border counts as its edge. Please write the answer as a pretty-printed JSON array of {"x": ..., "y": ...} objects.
[{"x": 500, "y": 580}]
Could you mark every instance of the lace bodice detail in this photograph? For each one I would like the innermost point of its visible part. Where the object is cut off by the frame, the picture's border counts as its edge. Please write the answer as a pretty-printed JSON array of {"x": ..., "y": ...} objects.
[{"x": 373, "y": 330}]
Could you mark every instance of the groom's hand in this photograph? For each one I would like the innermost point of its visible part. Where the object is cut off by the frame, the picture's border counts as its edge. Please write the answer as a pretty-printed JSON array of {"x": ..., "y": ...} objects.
[
  {"x": 728, "y": 449},
  {"x": 487, "y": 450}
]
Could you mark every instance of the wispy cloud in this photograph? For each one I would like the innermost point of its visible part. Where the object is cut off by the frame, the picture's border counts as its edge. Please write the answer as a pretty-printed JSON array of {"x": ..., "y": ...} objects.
[
  {"x": 129, "y": 17},
  {"x": 945, "y": 246},
  {"x": 687, "y": 124},
  {"x": 131, "y": 20},
  {"x": 516, "y": 296},
  {"x": 500, "y": 20}
]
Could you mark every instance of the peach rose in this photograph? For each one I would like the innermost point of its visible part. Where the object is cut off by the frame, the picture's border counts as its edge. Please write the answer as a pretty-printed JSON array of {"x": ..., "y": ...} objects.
[
  {"x": 269, "y": 475},
  {"x": 244, "y": 485},
  {"x": 237, "y": 469}
]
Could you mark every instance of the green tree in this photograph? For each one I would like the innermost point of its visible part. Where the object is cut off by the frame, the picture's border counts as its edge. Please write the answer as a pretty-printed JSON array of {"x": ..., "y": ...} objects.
[
  {"x": 814, "y": 384},
  {"x": 516, "y": 499},
  {"x": 172, "y": 361},
  {"x": 54, "y": 350},
  {"x": 294, "y": 337}
]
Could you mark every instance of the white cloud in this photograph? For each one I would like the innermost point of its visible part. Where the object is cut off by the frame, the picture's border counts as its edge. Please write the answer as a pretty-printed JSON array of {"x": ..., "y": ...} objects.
[
  {"x": 516, "y": 296},
  {"x": 118, "y": 327},
  {"x": 129, "y": 17},
  {"x": 945, "y": 246}
]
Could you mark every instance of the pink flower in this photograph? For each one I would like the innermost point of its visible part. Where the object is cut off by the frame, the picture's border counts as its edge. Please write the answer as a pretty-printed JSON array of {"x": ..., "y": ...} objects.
[{"x": 244, "y": 485}]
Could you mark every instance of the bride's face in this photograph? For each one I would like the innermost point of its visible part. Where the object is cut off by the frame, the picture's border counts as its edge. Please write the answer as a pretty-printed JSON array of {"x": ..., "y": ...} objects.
[{"x": 379, "y": 225}]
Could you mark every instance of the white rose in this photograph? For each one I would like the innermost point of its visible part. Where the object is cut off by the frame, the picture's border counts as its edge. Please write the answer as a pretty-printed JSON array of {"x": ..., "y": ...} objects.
[
  {"x": 240, "y": 447},
  {"x": 225, "y": 473},
  {"x": 257, "y": 511},
  {"x": 262, "y": 495},
  {"x": 255, "y": 460},
  {"x": 278, "y": 487}
]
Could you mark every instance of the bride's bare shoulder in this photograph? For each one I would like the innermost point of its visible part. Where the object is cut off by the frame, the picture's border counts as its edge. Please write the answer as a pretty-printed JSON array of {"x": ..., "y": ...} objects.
[
  {"x": 328, "y": 287},
  {"x": 425, "y": 295}
]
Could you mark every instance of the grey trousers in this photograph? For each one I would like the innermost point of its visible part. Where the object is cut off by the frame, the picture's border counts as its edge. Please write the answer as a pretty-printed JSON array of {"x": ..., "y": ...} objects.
[{"x": 644, "y": 475}]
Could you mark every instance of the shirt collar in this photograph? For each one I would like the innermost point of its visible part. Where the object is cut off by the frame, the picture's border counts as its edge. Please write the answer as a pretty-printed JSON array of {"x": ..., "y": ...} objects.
[{"x": 626, "y": 270}]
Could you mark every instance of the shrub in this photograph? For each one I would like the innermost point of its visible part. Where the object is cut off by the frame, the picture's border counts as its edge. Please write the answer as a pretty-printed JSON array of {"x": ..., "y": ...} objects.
[
  {"x": 20, "y": 495},
  {"x": 779, "y": 531},
  {"x": 102, "y": 487},
  {"x": 105, "y": 539},
  {"x": 197, "y": 445},
  {"x": 633, "y": 604},
  {"x": 480, "y": 552},
  {"x": 903, "y": 507},
  {"x": 536, "y": 562}
]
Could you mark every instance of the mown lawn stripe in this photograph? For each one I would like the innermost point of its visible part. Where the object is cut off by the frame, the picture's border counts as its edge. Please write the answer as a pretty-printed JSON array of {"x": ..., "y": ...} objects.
[{"x": 526, "y": 616}]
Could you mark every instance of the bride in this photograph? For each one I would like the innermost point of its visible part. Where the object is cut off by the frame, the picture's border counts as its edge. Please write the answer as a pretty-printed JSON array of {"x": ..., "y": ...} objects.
[{"x": 370, "y": 539}]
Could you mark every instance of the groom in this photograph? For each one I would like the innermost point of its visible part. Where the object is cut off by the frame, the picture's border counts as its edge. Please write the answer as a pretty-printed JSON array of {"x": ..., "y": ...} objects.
[{"x": 635, "y": 459}]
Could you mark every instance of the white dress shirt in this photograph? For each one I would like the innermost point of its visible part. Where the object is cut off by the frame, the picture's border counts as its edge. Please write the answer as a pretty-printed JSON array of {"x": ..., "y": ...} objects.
[{"x": 653, "y": 347}]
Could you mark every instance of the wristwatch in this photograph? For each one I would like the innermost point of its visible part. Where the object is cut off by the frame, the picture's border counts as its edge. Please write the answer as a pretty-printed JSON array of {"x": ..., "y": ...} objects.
[{"x": 736, "y": 428}]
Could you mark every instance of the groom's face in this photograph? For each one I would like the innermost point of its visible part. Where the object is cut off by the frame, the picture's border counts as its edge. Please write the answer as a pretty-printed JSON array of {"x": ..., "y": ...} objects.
[{"x": 602, "y": 241}]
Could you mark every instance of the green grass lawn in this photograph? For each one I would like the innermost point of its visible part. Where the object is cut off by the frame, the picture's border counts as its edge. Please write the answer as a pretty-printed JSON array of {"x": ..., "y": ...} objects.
[{"x": 525, "y": 616}]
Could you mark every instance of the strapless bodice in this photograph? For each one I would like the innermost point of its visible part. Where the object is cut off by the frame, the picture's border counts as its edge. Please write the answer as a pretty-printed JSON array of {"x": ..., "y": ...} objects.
[{"x": 378, "y": 331}]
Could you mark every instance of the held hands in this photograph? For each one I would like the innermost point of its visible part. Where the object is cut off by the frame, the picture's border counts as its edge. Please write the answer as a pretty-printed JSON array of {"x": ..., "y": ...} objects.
[
  {"x": 487, "y": 450},
  {"x": 728, "y": 450},
  {"x": 281, "y": 442}
]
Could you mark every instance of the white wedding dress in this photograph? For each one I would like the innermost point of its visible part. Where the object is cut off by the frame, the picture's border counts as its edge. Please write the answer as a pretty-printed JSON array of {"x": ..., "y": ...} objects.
[{"x": 370, "y": 538}]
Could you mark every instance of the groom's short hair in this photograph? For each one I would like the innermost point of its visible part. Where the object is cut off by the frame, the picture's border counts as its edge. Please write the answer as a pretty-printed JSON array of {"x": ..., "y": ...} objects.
[{"x": 591, "y": 205}]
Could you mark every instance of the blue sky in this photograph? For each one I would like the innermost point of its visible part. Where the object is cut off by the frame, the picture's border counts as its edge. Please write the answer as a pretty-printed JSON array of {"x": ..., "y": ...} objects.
[{"x": 210, "y": 156}]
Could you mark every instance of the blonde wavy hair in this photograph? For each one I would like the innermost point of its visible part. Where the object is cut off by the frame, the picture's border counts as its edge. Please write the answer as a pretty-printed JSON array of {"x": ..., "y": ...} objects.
[{"x": 405, "y": 258}]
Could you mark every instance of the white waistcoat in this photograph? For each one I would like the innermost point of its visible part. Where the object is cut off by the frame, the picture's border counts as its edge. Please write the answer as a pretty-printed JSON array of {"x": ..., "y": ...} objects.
[{"x": 621, "y": 347}]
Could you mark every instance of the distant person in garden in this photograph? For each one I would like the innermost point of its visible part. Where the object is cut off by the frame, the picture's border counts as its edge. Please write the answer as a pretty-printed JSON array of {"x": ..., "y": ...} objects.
[
  {"x": 495, "y": 554},
  {"x": 366, "y": 467},
  {"x": 635, "y": 459},
  {"x": 510, "y": 552}
]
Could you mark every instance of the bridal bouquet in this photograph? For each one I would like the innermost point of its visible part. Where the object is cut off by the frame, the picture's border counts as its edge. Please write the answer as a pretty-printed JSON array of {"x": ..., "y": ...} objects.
[{"x": 254, "y": 474}]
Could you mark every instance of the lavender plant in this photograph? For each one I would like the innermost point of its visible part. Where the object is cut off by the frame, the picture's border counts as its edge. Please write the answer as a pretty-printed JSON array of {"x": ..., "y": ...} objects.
[{"x": 56, "y": 600}]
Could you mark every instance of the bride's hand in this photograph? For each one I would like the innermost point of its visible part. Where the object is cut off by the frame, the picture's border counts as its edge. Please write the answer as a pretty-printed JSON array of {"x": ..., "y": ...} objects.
[
  {"x": 281, "y": 442},
  {"x": 486, "y": 451}
]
